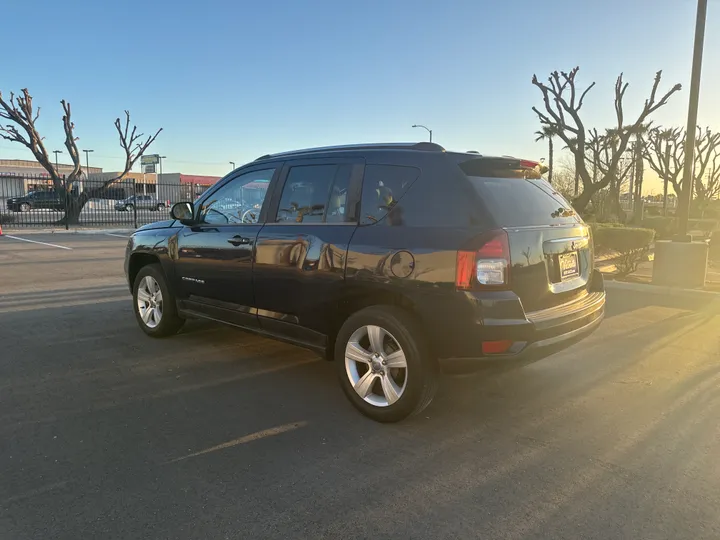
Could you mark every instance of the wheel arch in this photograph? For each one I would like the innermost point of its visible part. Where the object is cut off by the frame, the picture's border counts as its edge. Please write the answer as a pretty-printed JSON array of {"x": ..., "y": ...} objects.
[
  {"x": 138, "y": 261},
  {"x": 360, "y": 298}
]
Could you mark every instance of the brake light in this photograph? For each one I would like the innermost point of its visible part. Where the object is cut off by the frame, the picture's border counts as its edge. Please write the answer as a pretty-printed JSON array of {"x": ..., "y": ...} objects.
[
  {"x": 526, "y": 163},
  {"x": 486, "y": 266}
]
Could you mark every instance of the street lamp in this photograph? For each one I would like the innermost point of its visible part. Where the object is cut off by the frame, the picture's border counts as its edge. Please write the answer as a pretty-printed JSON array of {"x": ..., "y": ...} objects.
[
  {"x": 233, "y": 165},
  {"x": 687, "y": 182},
  {"x": 87, "y": 163},
  {"x": 424, "y": 127},
  {"x": 56, "y": 152}
]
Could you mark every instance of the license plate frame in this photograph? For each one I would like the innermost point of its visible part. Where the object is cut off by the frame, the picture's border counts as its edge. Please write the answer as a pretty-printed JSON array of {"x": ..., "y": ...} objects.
[{"x": 569, "y": 265}]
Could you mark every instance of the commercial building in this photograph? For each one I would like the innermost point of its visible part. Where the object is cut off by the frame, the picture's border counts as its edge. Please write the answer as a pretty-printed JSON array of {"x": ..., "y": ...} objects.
[{"x": 19, "y": 176}]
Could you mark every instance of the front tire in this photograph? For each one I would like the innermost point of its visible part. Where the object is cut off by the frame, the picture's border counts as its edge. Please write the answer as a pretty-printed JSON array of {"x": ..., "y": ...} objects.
[
  {"x": 154, "y": 303},
  {"x": 384, "y": 365},
  {"x": 129, "y": 207},
  {"x": 24, "y": 207}
]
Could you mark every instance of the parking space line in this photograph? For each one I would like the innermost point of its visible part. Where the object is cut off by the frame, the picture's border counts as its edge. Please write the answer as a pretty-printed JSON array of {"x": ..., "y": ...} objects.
[
  {"x": 246, "y": 439},
  {"x": 36, "y": 242}
]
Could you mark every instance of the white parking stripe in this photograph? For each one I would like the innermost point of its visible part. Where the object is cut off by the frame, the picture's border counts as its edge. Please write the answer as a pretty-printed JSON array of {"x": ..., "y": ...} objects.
[{"x": 36, "y": 242}]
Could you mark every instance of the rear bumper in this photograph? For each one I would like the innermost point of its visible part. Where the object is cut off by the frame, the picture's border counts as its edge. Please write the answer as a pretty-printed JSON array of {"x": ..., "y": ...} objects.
[{"x": 534, "y": 335}]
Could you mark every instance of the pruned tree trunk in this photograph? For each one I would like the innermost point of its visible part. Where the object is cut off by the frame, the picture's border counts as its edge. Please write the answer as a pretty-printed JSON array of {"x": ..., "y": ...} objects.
[
  {"x": 20, "y": 111},
  {"x": 562, "y": 103}
]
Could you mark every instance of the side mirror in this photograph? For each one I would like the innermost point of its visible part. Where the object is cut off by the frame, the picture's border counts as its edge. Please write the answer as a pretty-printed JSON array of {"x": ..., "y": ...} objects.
[{"x": 182, "y": 211}]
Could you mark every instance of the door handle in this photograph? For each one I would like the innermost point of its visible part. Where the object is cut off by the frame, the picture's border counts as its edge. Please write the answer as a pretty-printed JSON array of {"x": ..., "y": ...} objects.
[{"x": 238, "y": 240}]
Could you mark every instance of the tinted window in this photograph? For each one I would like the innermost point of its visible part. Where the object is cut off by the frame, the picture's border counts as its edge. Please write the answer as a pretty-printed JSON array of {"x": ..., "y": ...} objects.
[
  {"x": 518, "y": 202},
  {"x": 313, "y": 193},
  {"x": 238, "y": 201},
  {"x": 383, "y": 186}
]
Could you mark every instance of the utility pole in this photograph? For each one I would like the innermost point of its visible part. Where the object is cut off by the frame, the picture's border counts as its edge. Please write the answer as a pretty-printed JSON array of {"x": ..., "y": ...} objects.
[{"x": 687, "y": 181}]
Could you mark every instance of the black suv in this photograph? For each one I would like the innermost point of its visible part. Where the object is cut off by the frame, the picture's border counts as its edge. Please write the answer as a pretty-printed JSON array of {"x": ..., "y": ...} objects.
[
  {"x": 49, "y": 199},
  {"x": 390, "y": 259}
]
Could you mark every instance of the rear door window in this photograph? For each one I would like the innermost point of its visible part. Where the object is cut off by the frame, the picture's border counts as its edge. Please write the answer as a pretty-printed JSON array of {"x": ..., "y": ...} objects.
[
  {"x": 315, "y": 194},
  {"x": 383, "y": 187}
]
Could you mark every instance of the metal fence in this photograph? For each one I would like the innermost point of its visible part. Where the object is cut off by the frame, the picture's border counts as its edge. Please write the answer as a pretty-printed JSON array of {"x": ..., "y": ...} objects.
[{"x": 32, "y": 201}]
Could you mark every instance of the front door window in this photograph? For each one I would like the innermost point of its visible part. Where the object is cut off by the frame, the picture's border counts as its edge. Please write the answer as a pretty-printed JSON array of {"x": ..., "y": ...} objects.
[{"x": 239, "y": 201}]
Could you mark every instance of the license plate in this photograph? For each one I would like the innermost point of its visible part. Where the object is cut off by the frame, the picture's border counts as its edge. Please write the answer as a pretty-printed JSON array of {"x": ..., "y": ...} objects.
[{"x": 569, "y": 267}]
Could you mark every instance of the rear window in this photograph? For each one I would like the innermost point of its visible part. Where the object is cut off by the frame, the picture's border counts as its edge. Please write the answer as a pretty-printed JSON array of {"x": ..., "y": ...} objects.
[{"x": 520, "y": 202}]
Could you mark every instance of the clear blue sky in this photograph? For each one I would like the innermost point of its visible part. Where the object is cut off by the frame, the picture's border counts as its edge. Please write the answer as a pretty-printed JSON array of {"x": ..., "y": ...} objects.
[{"x": 229, "y": 81}]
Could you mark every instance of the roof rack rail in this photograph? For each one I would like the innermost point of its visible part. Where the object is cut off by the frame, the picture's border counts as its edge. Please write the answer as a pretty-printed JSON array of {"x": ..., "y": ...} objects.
[{"x": 422, "y": 146}]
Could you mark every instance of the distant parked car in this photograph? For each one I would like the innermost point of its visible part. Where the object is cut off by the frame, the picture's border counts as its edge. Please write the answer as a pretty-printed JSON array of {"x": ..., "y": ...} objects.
[
  {"x": 140, "y": 202},
  {"x": 36, "y": 199}
]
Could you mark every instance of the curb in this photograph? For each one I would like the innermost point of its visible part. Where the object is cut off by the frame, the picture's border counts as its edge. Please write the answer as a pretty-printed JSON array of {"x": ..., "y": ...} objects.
[
  {"x": 70, "y": 231},
  {"x": 662, "y": 290}
]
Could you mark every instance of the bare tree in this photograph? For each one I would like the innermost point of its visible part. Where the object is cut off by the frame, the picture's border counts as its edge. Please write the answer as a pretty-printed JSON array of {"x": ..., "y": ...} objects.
[
  {"x": 20, "y": 111},
  {"x": 563, "y": 102},
  {"x": 665, "y": 152},
  {"x": 707, "y": 167},
  {"x": 602, "y": 150}
]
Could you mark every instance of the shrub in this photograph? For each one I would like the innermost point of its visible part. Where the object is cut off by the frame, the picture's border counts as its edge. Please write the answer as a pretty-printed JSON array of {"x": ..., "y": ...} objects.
[
  {"x": 6, "y": 218},
  {"x": 631, "y": 244},
  {"x": 706, "y": 226},
  {"x": 664, "y": 227}
]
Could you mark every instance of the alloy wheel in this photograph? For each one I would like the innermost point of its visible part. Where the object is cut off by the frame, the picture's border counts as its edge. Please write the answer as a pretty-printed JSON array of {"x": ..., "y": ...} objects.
[
  {"x": 376, "y": 365},
  {"x": 150, "y": 302}
]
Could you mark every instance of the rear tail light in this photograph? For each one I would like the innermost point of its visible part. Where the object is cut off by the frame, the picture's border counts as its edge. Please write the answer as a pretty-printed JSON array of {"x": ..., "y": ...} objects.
[{"x": 486, "y": 266}]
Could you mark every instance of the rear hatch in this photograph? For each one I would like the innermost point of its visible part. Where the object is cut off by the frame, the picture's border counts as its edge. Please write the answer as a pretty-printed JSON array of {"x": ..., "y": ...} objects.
[{"x": 551, "y": 257}]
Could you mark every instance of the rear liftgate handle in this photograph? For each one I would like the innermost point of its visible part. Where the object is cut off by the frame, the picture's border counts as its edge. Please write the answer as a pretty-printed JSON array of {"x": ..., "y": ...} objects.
[{"x": 238, "y": 240}]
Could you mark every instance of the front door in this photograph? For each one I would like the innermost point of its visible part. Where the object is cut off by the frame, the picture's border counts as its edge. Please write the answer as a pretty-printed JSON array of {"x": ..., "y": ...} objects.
[
  {"x": 215, "y": 256},
  {"x": 301, "y": 250}
]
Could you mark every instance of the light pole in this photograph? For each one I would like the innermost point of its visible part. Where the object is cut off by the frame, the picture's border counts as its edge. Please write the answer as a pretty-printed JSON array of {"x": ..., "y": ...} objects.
[
  {"x": 687, "y": 182},
  {"x": 233, "y": 165},
  {"x": 87, "y": 163},
  {"x": 159, "y": 179},
  {"x": 424, "y": 127},
  {"x": 56, "y": 152}
]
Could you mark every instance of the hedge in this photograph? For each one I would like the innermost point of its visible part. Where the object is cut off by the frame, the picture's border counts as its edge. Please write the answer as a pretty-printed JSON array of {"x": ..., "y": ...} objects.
[
  {"x": 630, "y": 243},
  {"x": 664, "y": 227}
]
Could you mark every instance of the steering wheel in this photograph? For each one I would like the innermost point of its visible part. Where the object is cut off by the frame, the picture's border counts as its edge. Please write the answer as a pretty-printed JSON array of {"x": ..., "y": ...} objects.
[{"x": 250, "y": 216}]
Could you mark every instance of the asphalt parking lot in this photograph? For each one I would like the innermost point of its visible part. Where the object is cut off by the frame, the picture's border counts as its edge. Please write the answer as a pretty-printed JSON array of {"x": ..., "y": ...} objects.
[{"x": 216, "y": 433}]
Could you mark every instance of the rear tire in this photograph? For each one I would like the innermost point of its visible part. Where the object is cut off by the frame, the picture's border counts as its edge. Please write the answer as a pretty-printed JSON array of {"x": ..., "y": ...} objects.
[
  {"x": 24, "y": 207},
  {"x": 129, "y": 207},
  {"x": 154, "y": 303},
  {"x": 391, "y": 393}
]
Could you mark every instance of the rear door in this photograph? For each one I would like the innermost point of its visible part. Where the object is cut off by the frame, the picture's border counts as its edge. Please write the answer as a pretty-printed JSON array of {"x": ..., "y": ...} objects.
[
  {"x": 550, "y": 247},
  {"x": 301, "y": 250}
]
